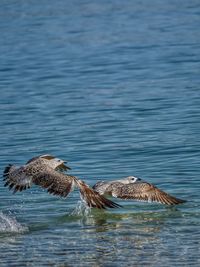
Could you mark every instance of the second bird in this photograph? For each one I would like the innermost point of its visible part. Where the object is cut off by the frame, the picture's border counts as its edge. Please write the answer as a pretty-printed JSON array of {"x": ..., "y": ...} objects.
[{"x": 134, "y": 188}]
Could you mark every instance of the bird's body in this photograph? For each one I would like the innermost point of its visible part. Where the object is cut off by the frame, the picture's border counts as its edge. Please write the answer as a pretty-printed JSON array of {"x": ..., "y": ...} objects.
[
  {"x": 44, "y": 171},
  {"x": 136, "y": 189}
]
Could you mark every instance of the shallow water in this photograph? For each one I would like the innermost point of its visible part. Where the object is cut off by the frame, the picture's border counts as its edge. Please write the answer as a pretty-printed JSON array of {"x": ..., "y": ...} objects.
[{"x": 112, "y": 87}]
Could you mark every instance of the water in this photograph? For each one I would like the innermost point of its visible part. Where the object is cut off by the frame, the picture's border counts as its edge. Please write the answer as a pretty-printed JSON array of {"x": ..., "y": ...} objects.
[{"x": 112, "y": 87}]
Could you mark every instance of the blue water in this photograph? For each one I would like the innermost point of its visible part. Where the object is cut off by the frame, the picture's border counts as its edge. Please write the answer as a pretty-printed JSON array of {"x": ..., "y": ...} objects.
[{"x": 114, "y": 88}]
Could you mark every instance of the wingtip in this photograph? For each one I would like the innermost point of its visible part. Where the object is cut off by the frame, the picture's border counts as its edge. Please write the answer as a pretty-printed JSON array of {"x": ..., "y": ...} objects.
[
  {"x": 110, "y": 204},
  {"x": 171, "y": 201},
  {"x": 7, "y": 170},
  {"x": 180, "y": 201}
]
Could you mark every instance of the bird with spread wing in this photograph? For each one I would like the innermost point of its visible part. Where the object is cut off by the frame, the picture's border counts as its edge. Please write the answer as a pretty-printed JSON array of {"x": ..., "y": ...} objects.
[
  {"x": 134, "y": 188},
  {"x": 45, "y": 171}
]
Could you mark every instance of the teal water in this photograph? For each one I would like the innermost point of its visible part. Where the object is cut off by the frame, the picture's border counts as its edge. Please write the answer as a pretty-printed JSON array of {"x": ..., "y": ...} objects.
[{"x": 114, "y": 88}]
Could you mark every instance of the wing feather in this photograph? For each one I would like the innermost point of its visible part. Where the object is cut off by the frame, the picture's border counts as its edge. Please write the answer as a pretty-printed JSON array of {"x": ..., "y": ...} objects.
[
  {"x": 18, "y": 179},
  {"x": 143, "y": 191},
  {"x": 15, "y": 178},
  {"x": 55, "y": 182}
]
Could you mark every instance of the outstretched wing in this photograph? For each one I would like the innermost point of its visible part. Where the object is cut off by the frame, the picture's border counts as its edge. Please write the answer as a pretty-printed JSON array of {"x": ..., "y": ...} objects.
[
  {"x": 143, "y": 191},
  {"x": 55, "y": 182},
  {"x": 92, "y": 198}
]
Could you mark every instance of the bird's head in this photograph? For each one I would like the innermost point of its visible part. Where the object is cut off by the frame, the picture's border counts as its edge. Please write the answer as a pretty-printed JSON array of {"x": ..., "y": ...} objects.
[
  {"x": 55, "y": 163},
  {"x": 130, "y": 180}
]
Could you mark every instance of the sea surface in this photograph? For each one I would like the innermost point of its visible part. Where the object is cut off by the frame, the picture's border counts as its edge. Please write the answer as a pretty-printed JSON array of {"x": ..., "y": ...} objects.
[{"x": 113, "y": 87}]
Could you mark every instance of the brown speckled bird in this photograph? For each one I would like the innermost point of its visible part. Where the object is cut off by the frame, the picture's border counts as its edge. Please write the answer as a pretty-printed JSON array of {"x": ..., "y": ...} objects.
[
  {"x": 44, "y": 171},
  {"x": 134, "y": 188}
]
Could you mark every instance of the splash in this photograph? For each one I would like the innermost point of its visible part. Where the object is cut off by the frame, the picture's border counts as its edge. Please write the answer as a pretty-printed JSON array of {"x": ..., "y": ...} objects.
[
  {"x": 10, "y": 225},
  {"x": 81, "y": 209}
]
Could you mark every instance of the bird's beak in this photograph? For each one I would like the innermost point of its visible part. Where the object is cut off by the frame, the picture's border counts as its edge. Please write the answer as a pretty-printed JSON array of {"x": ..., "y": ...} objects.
[{"x": 64, "y": 167}]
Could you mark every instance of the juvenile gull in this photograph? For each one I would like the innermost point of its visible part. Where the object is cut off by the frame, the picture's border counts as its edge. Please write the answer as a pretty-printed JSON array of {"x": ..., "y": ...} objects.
[
  {"x": 44, "y": 171},
  {"x": 136, "y": 189}
]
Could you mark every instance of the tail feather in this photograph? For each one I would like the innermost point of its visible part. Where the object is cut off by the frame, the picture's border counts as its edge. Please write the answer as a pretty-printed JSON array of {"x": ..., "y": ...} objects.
[{"x": 93, "y": 199}]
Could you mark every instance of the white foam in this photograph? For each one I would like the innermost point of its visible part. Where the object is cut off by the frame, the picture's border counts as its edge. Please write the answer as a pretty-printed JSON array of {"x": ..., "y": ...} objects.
[{"x": 10, "y": 225}]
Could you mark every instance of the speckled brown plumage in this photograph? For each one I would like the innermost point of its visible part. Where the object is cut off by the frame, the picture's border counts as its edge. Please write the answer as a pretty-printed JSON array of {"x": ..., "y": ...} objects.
[
  {"x": 136, "y": 189},
  {"x": 43, "y": 171}
]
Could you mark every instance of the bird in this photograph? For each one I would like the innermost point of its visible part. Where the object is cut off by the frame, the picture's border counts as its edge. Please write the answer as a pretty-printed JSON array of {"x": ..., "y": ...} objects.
[
  {"x": 134, "y": 188},
  {"x": 46, "y": 171}
]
